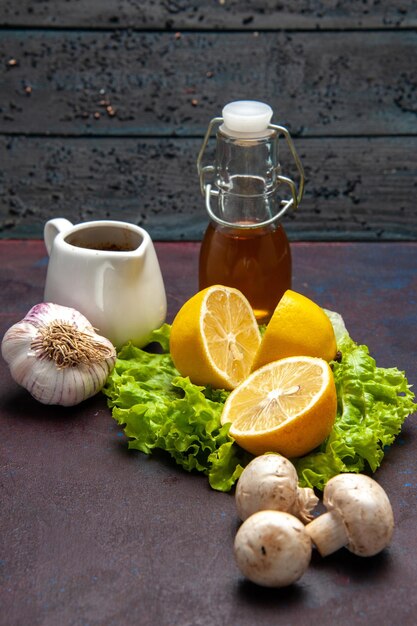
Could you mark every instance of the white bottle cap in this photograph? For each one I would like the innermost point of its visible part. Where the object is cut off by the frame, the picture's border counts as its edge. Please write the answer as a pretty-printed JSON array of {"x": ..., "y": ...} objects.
[{"x": 247, "y": 116}]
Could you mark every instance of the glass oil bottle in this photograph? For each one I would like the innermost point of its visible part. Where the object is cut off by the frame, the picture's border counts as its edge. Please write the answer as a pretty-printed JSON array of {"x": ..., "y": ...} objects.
[{"x": 245, "y": 245}]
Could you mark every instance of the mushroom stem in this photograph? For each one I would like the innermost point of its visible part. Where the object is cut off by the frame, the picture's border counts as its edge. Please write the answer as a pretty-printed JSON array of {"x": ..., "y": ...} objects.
[
  {"x": 328, "y": 532},
  {"x": 305, "y": 502},
  {"x": 359, "y": 516}
]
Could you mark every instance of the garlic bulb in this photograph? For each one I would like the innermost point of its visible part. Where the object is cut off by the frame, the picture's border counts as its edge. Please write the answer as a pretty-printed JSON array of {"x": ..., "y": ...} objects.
[{"x": 55, "y": 353}]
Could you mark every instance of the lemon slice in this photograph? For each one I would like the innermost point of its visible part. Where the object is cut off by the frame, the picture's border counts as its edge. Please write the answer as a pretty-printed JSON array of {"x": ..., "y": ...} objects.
[
  {"x": 298, "y": 326},
  {"x": 288, "y": 406},
  {"x": 214, "y": 337}
]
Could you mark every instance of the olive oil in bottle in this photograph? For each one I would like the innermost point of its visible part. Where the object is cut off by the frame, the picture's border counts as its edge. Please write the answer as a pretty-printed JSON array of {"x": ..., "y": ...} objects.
[{"x": 245, "y": 245}]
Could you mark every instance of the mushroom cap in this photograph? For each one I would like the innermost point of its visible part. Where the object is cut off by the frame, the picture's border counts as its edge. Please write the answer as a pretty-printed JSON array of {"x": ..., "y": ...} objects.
[
  {"x": 365, "y": 509},
  {"x": 268, "y": 482},
  {"x": 272, "y": 548}
]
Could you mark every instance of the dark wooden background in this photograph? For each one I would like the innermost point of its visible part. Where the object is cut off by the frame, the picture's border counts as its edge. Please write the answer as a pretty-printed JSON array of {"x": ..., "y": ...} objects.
[{"x": 103, "y": 106}]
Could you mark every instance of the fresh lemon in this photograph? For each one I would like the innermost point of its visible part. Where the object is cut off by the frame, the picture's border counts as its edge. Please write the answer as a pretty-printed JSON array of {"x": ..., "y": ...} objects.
[
  {"x": 214, "y": 337},
  {"x": 298, "y": 326},
  {"x": 288, "y": 406}
]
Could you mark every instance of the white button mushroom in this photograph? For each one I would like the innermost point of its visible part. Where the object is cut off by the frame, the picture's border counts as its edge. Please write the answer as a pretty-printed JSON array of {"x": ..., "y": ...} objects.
[
  {"x": 359, "y": 516},
  {"x": 270, "y": 482},
  {"x": 272, "y": 548}
]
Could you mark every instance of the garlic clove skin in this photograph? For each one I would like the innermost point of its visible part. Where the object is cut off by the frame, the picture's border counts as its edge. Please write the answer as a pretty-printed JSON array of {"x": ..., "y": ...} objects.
[
  {"x": 71, "y": 385},
  {"x": 55, "y": 353}
]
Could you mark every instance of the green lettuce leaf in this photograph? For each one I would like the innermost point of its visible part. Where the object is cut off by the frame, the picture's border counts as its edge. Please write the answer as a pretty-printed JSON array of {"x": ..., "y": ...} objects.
[
  {"x": 373, "y": 403},
  {"x": 157, "y": 408}
]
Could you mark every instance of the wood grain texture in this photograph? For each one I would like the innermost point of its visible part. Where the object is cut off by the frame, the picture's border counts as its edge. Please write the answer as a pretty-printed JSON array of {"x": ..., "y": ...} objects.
[
  {"x": 103, "y": 106},
  {"x": 124, "y": 82},
  {"x": 213, "y": 14},
  {"x": 356, "y": 187}
]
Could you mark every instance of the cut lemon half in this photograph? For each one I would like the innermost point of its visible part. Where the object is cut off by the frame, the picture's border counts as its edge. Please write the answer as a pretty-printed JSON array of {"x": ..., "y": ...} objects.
[
  {"x": 298, "y": 326},
  {"x": 214, "y": 337},
  {"x": 288, "y": 406}
]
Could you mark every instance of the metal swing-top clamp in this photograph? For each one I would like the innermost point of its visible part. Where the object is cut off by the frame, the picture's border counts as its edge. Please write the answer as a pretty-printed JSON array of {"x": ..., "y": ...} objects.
[{"x": 248, "y": 119}]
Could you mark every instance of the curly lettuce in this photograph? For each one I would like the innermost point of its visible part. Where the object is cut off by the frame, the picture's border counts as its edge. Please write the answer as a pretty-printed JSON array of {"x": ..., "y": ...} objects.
[
  {"x": 373, "y": 403},
  {"x": 157, "y": 408}
]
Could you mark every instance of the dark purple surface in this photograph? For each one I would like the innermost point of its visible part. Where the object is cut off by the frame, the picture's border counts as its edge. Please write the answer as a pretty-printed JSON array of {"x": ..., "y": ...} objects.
[{"x": 92, "y": 533}]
